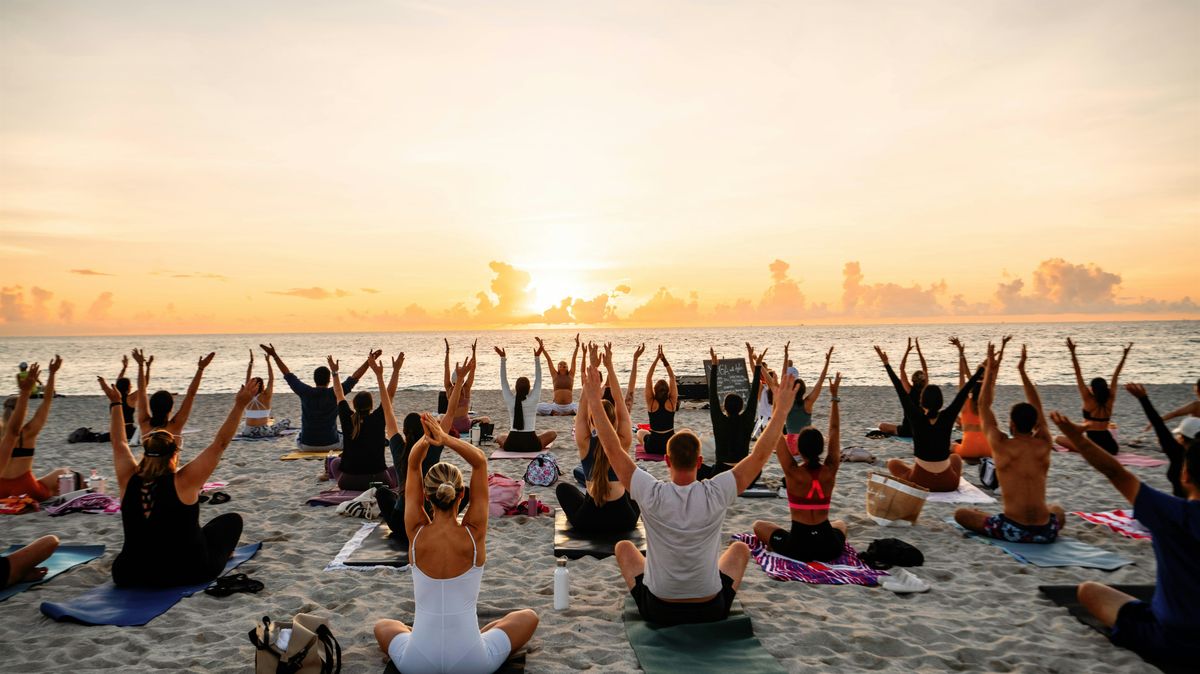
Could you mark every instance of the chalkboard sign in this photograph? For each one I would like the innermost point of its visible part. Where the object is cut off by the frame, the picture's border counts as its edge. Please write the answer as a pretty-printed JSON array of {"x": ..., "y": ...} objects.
[{"x": 731, "y": 378}]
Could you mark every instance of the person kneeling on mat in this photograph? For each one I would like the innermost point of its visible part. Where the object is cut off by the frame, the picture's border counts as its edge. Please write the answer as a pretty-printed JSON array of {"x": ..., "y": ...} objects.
[
  {"x": 682, "y": 578},
  {"x": 1022, "y": 464},
  {"x": 809, "y": 490},
  {"x": 1165, "y": 629},
  {"x": 165, "y": 546}
]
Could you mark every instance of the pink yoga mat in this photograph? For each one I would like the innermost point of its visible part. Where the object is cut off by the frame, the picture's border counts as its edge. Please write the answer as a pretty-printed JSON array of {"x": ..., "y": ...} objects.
[
  {"x": 1139, "y": 461},
  {"x": 641, "y": 455}
]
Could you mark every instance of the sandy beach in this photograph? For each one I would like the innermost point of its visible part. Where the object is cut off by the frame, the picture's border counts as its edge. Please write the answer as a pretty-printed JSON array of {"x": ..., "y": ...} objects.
[{"x": 984, "y": 613}]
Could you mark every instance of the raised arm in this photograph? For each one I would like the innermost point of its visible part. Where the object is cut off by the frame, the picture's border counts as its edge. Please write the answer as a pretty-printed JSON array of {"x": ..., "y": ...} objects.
[
  {"x": 250, "y": 366},
  {"x": 471, "y": 365},
  {"x": 123, "y": 462},
  {"x": 987, "y": 394},
  {"x": 504, "y": 387},
  {"x": 397, "y": 363},
  {"x": 124, "y": 366},
  {"x": 447, "y": 420},
  {"x": 963, "y": 368},
  {"x": 672, "y": 384},
  {"x": 901, "y": 390},
  {"x": 272, "y": 354},
  {"x": 192, "y": 477},
  {"x": 141, "y": 400},
  {"x": 362, "y": 369},
  {"x": 12, "y": 429},
  {"x": 618, "y": 454},
  {"x": 714, "y": 405},
  {"x": 1034, "y": 398},
  {"x": 649, "y": 390},
  {"x": 476, "y": 515},
  {"x": 904, "y": 366},
  {"x": 750, "y": 409},
  {"x": 834, "y": 459},
  {"x": 339, "y": 393},
  {"x": 1125, "y": 481},
  {"x": 414, "y": 490},
  {"x": 1084, "y": 392},
  {"x": 574, "y": 358},
  {"x": 1166, "y": 439},
  {"x": 185, "y": 408},
  {"x": 1112, "y": 385},
  {"x": 772, "y": 436},
  {"x": 35, "y": 424},
  {"x": 637, "y": 353},
  {"x": 387, "y": 393},
  {"x": 546, "y": 353},
  {"x": 960, "y": 398},
  {"x": 266, "y": 395},
  {"x": 921, "y": 357},
  {"x": 446, "y": 384},
  {"x": 624, "y": 424},
  {"x": 812, "y": 397},
  {"x": 583, "y": 429}
]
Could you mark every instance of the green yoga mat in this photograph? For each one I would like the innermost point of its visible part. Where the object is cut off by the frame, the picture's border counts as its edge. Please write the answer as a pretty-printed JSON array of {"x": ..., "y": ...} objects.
[{"x": 725, "y": 646}]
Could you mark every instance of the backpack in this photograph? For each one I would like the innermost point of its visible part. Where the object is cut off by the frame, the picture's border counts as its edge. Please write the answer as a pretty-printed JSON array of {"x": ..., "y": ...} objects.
[
  {"x": 987, "y": 474},
  {"x": 503, "y": 494},
  {"x": 888, "y": 552},
  {"x": 80, "y": 435},
  {"x": 543, "y": 470}
]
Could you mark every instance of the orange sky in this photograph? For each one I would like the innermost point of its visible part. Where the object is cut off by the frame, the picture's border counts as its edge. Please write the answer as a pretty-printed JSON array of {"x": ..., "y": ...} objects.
[{"x": 278, "y": 166}]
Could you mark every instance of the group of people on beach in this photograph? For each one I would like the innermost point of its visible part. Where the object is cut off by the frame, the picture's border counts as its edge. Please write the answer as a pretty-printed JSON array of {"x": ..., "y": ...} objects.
[{"x": 686, "y": 575}]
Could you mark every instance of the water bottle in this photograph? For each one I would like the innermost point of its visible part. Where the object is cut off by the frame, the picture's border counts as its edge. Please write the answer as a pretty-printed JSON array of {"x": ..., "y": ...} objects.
[
  {"x": 95, "y": 482},
  {"x": 562, "y": 586},
  {"x": 66, "y": 482}
]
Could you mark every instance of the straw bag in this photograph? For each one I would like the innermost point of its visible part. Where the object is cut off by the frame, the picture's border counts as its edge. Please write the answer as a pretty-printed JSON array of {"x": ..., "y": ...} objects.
[
  {"x": 308, "y": 647},
  {"x": 892, "y": 501}
]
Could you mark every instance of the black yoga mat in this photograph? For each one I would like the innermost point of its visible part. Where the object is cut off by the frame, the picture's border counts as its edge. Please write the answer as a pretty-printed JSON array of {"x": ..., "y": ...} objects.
[
  {"x": 573, "y": 545},
  {"x": 380, "y": 549}
]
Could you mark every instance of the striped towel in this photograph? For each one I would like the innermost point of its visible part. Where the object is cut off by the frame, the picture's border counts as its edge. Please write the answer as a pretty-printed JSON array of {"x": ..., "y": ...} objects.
[
  {"x": 87, "y": 503},
  {"x": 845, "y": 570},
  {"x": 1120, "y": 521}
]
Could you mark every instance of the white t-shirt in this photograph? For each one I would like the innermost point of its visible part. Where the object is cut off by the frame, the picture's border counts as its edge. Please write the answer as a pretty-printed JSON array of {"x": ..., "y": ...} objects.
[{"x": 683, "y": 533}]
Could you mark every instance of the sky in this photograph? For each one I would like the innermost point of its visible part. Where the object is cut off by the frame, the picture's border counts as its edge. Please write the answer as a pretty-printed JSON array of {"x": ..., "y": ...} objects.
[{"x": 261, "y": 166}]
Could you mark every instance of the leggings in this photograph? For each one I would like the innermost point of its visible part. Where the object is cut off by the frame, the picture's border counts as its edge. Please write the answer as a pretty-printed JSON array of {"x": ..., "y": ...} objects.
[
  {"x": 221, "y": 536},
  {"x": 1104, "y": 440},
  {"x": 357, "y": 481},
  {"x": 584, "y": 515}
]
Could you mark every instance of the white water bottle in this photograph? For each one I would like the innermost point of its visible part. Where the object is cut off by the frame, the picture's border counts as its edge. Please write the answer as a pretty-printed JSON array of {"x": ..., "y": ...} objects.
[
  {"x": 93, "y": 480},
  {"x": 562, "y": 586}
]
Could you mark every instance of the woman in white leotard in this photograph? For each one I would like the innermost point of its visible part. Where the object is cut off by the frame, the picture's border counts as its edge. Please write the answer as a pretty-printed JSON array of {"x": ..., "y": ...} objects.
[{"x": 447, "y": 567}]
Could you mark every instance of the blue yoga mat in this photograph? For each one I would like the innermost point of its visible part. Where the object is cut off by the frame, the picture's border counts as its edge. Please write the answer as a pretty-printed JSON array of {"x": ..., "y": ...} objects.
[
  {"x": 125, "y": 607},
  {"x": 64, "y": 558},
  {"x": 1062, "y": 552}
]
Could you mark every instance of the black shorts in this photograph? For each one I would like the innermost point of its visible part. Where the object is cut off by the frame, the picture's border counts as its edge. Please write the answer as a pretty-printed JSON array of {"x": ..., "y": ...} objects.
[
  {"x": 904, "y": 430},
  {"x": 1138, "y": 630},
  {"x": 522, "y": 441},
  {"x": 809, "y": 542},
  {"x": 5, "y": 569},
  {"x": 1104, "y": 440},
  {"x": 656, "y": 443},
  {"x": 661, "y": 612}
]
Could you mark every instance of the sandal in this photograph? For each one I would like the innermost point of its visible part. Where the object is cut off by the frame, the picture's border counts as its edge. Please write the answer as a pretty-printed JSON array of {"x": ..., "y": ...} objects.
[
  {"x": 238, "y": 582},
  {"x": 219, "y": 497},
  {"x": 877, "y": 434}
]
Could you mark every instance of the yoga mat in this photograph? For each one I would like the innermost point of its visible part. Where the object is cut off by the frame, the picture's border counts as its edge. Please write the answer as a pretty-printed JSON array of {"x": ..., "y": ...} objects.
[
  {"x": 1066, "y": 597},
  {"x": 125, "y": 607},
  {"x": 966, "y": 493},
  {"x": 282, "y": 434},
  {"x": 333, "y": 497},
  {"x": 890, "y": 437},
  {"x": 1139, "y": 461},
  {"x": 378, "y": 548},
  {"x": 573, "y": 545},
  {"x": 1120, "y": 521},
  {"x": 292, "y": 456},
  {"x": 705, "y": 648},
  {"x": 1063, "y": 552},
  {"x": 64, "y": 558},
  {"x": 513, "y": 665},
  {"x": 759, "y": 491},
  {"x": 501, "y": 454}
]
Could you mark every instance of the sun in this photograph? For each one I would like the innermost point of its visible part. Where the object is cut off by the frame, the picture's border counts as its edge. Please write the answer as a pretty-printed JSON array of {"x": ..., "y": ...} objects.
[{"x": 551, "y": 286}]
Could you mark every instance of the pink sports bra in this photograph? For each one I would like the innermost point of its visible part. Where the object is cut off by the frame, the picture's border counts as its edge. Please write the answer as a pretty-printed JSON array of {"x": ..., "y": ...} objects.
[{"x": 816, "y": 499}]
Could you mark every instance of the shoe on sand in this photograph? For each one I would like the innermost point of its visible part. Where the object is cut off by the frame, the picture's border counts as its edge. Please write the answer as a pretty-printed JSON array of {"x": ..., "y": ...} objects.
[{"x": 903, "y": 582}]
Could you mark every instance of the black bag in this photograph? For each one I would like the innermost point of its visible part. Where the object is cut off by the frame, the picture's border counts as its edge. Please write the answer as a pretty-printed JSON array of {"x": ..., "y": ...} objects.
[
  {"x": 80, "y": 435},
  {"x": 987, "y": 474},
  {"x": 888, "y": 552}
]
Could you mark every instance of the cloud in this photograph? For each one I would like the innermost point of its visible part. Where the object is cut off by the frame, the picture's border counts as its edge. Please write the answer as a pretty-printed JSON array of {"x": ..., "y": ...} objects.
[
  {"x": 89, "y": 272},
  {"x": 313, "y": 293},
  {"x": 887, "y": 299},
  {"x": 215, "y": 277},
  {"x": 783, "y": 299},
  {"x": 1060, "y": 286},
  {"x": 622, "y": 289},
  {"x": 370, "y": 291},
  {"x": 100, "y": 308},
  {"x": 560, "y": 313},
  {"x": 512, "y": 294},
  {"x": 665, "y": 308}
]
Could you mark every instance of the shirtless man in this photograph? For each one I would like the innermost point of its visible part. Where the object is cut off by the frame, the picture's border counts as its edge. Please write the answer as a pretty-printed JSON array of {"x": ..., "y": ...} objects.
[
  {"x": 1022, "y": 463},
  {"x": 462, "y": 421},
  {"x": 564, "y": 384}
]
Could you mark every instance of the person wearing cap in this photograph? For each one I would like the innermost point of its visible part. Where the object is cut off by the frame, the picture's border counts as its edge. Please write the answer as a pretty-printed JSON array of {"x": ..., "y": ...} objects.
[
  {"x": 23, "y": 372},
  {"x": 1174, "y": 445}
]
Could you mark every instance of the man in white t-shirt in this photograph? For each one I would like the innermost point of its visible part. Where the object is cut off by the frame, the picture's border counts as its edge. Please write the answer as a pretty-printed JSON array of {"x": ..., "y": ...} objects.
[{"x": 684, "y": 578}]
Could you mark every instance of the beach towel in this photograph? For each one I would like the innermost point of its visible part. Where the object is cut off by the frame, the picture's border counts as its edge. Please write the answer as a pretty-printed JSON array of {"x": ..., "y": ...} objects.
[
  {"x": 65, "y": 557},
  {"x": 125, "y": 607},
  {"x": 96, "y": 504},
  {"x": 966, "y": 493},
  {"x": 379, "y": 549},
  {"x": 501, "y": 454},
  {"x": 282, "y": 434},
  {"x": 845, "y": 570},
  {"x": 727, "y": 645},
  {"x": 333, "y": 497},
  {"x": 1063, "y": 552},
  {"x": 641, "y": 454},
  {"x": 1139, "y": 461},
  {"x": 573, "y": 545},
  {"x": 1120, "y": 521},
  {"x": 292, "y": 456},
  {"x": 339, "y": 561}
]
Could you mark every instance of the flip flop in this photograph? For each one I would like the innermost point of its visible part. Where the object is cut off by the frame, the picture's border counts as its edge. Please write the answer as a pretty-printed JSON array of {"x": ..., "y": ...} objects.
[
  {"x": 218, "y": 498},
  {"x": 238, "y": 582},
  {"x": 877, "y": 435}
]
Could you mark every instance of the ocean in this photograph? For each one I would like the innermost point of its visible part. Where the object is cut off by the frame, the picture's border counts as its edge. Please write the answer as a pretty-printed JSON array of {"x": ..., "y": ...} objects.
[{"x": 1165, "y": 352}]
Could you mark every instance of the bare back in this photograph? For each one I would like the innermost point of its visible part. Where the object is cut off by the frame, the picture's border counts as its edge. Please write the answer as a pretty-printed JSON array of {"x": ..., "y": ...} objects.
[
  {"x": 1022, "y": 464},
  {"x": 446, "y": 549}
]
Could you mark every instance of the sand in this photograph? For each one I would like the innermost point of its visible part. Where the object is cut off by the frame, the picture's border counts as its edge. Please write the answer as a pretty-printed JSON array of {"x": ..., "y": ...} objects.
[{"x": 984, "y": 613}]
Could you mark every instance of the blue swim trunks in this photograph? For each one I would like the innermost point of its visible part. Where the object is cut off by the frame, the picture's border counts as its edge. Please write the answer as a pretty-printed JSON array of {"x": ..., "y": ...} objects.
[{"x": 1001, "y": 528}]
